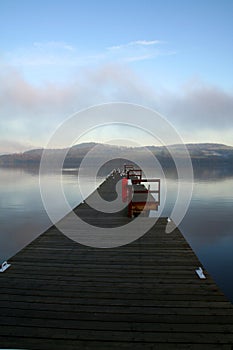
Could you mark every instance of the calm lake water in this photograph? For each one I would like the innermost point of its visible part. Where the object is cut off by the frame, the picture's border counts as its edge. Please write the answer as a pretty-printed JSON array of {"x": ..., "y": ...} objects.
[{"x": 207, "y": 226}]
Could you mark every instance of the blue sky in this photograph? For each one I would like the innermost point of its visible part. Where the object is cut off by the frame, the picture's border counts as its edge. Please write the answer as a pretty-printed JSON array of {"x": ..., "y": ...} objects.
[{"x": 58, "y": 57}]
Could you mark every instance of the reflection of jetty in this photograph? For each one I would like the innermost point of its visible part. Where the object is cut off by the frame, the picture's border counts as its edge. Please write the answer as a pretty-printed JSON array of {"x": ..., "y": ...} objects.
[{"x": 58, "y": 294}]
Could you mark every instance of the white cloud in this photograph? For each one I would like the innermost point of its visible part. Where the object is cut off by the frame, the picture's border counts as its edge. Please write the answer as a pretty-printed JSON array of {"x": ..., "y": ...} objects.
[
  {"x": 60, "y": 45},
  {"x": 12, "y": 146},
  {"x": 30, "y": 113},
  {"x": 43, "y": 54},
  {"x": 146, "y": 42},
  {"x": 201, "y": 106},
  {"x": 136, "y": 43},
  {"x": 58, "y": 53},
  {"x": 138, "y": 50}
]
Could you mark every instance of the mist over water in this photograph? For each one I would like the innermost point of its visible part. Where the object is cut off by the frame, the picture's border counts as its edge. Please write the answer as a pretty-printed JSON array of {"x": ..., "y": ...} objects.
[{"x": 207, "y": 225}]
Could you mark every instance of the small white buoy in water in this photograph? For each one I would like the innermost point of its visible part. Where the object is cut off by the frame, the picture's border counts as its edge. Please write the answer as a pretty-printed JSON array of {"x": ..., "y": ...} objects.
[
  {"x": 4, "y": 266},
  {"x": 200, "y": 273}
]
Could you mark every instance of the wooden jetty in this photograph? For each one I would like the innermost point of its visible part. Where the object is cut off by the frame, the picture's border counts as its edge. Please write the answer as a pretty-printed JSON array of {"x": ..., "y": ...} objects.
[{"x": 59, "y": 294}]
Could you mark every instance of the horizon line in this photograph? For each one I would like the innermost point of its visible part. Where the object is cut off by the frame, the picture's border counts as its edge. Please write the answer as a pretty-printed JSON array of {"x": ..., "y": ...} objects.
[{"x": 125, "y": 146}]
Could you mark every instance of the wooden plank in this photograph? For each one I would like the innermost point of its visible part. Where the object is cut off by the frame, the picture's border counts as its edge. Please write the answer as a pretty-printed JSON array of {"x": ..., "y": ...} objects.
[
  {"x": 123, "y": 325},
  {"x": 106, "y": 335},
  {"x": 62, "y": 344},
  {"x": 131, "y": 318},
  {"x": 128, "y": 294}
]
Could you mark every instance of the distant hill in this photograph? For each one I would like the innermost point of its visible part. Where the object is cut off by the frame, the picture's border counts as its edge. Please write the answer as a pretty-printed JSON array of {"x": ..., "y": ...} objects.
[{"x": 201, "y": 153}]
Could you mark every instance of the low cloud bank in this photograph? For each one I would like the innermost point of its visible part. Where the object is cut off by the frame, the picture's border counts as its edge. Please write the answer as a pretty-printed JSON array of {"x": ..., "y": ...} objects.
[{"x": 30, "y": 113}]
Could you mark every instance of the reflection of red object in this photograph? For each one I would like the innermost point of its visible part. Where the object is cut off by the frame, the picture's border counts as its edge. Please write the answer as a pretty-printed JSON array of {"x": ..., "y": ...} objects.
[{"x": 124, "y": 189}]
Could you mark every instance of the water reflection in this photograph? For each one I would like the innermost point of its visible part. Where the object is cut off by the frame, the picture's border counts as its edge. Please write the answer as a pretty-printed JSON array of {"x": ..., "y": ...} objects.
[
  {"x": 22, "y": 214},
  {"x": 208, "y": 227}
]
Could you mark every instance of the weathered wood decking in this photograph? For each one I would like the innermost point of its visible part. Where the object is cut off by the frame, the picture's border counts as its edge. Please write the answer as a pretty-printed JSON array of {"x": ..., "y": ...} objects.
[{"x": 59, "y": 294}]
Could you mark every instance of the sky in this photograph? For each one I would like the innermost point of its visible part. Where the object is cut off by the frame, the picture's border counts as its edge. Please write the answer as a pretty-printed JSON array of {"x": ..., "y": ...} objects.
[{"x": 58, "y": 57}]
